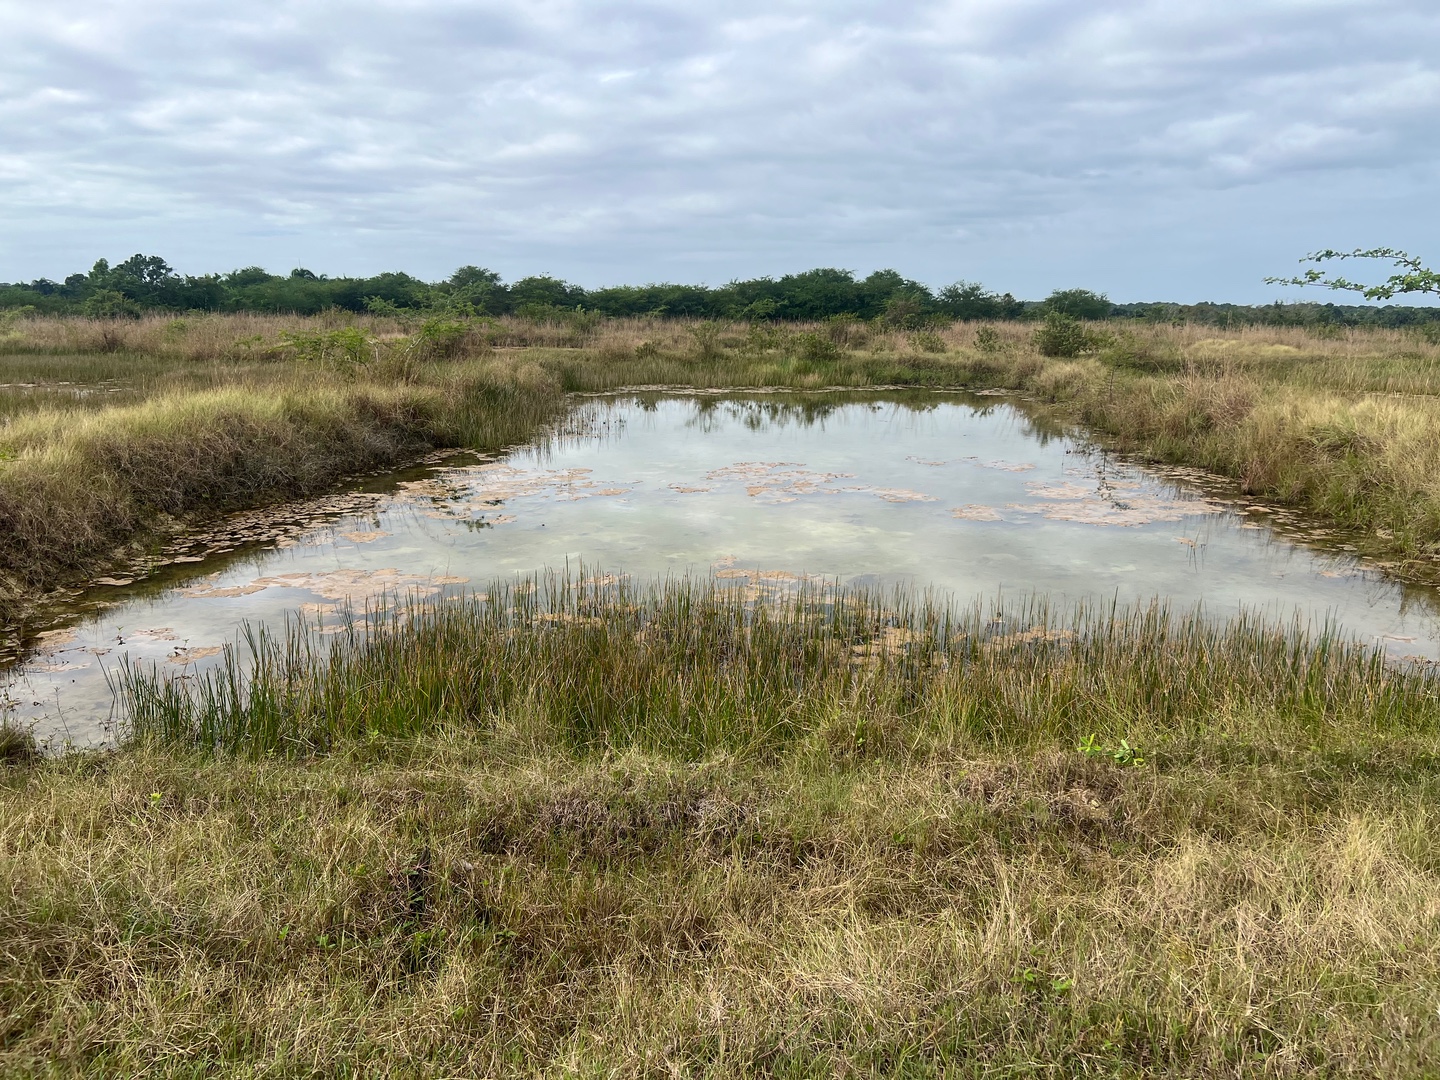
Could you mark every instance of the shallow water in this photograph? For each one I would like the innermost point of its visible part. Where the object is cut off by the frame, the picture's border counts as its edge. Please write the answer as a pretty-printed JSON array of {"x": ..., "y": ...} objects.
[{"x": 959, "y": 493}]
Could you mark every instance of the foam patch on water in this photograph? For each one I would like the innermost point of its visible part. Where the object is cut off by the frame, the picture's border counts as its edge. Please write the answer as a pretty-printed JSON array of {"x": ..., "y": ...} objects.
[{"x": 785, "y": 481}]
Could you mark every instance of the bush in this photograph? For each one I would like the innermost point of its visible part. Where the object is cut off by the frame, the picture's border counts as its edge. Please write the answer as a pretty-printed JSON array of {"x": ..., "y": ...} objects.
[
  {"x": 438, "y": 338},
  {"x": 815, "y": 348},
  {"x": 707, "y": 340},
  {"x": 927, "y": 341},
  {"x": 1061, "y": 335},
  {"x": 347, "y": 347},
  {"x": 762, "y": 338},
  {"x": 109, "y": 304},
  {"x": 988, "y": 340},
  {"x": 1124, "y": 350}
]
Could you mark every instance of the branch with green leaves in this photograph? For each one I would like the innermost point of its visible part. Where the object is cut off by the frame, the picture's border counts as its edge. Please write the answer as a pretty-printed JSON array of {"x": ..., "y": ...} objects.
[{"x": 1413, "y": 276}]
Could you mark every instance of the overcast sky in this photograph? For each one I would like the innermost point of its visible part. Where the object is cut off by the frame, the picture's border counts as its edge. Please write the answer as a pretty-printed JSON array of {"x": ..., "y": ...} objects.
[{"x": 1154, "y": 150}]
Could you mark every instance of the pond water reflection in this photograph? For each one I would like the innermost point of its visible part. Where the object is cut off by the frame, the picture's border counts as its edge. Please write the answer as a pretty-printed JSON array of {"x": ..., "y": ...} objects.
[{"x": 961, "y": 493}]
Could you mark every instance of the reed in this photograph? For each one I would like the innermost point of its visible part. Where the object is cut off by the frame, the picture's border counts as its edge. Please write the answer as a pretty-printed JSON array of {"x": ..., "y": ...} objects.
[{"x": 689, "y": 669}]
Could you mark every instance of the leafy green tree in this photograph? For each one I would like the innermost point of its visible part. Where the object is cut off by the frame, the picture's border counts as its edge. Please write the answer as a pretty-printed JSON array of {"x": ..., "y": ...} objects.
[
  {"x": 1413, "y": 275},
  {"x": 1078, "y": 304},
  {"x": 969, "y": 301},
  {"x": 110, "y": 304}
]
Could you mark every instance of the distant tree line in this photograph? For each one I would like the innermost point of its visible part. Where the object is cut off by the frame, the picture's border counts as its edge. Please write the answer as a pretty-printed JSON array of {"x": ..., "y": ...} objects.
[{"x": 147, "y": 283}]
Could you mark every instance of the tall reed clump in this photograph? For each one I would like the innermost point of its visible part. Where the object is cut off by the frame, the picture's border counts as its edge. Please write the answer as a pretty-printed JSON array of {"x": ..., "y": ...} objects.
[{"x": 690, "y": 669}]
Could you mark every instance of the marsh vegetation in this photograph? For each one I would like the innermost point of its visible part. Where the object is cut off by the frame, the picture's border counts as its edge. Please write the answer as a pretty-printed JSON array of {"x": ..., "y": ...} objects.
[{"x": 601, "y": 829}]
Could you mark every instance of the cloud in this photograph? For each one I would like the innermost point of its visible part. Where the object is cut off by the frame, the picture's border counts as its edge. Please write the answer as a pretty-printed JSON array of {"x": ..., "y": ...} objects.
[{"x": 1013, "y": 141}]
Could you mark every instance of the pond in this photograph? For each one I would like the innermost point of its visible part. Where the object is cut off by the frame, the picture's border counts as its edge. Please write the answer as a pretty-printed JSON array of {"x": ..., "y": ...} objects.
[{"x": 964, "y": 494}]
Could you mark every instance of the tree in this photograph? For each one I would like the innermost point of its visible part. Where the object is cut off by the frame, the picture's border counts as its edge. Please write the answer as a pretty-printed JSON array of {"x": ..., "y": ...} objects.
[
  {"x": 1414, "y": 276},
  {"x": 969, "y": 301},
  {"x": 1079, "y": 304}
]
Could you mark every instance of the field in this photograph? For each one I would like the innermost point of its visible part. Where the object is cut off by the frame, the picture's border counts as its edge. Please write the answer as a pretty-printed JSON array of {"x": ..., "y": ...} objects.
[{"x": 579, "y": 829}]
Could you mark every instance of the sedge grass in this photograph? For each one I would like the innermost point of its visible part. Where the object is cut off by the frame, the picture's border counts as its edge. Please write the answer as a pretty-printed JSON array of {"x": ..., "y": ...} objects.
[
  {"x": 76, "y": 485},
  {"x": 690, "y": 669}
]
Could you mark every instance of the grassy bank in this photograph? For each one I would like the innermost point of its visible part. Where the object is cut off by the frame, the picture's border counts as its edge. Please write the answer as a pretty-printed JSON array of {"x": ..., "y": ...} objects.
[
  {"x": 680, "y": 833},
  {"x": 89, "y": 478}
]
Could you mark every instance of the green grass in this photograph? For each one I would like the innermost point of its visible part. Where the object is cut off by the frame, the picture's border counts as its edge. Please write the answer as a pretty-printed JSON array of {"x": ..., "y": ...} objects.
[
  {"x": 688, "y": 670},
  {"x": 595, "y": 832}
]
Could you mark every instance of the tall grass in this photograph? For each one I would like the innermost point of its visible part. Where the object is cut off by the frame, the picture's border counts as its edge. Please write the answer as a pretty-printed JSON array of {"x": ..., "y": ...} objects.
[{"x": 691, "y": 669}]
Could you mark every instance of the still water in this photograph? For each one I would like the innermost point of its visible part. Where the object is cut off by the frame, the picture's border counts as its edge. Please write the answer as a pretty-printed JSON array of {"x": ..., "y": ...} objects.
[{"x": 954, "y": 492}]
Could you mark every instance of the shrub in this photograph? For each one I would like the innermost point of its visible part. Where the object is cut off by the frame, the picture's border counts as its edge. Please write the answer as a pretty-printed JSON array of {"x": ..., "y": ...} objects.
[
  {"x": 762, "y": 338},
  {"x": 988, "y": 340},
  {"x": 816, "y": 348},
  {"x": 109, "y": 304},
  {"x": 438, "y": 337},
  {"x": 1061, "y": 335},
  {"x": 347, "y": 347},
  {"x": 927, "y": 341},
  {"x": 1124, "y": 350},
  {"x": 707, "y": 340}
]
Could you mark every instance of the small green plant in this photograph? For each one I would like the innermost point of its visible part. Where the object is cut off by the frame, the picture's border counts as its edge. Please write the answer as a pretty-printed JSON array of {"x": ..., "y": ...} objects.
[
  {"x": 1041, "y": 983},
  {"x": 1124, "y": 754},
  {"x": 1062, "y": 335}
]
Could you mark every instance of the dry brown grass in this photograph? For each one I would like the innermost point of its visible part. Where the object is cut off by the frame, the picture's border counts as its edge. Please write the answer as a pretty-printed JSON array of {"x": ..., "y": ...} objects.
[{"x": 468, "y": 906}]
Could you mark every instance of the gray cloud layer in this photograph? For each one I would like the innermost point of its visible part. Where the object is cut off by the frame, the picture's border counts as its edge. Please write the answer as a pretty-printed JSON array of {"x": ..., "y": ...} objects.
[{"x": 1150, "y": 148}]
